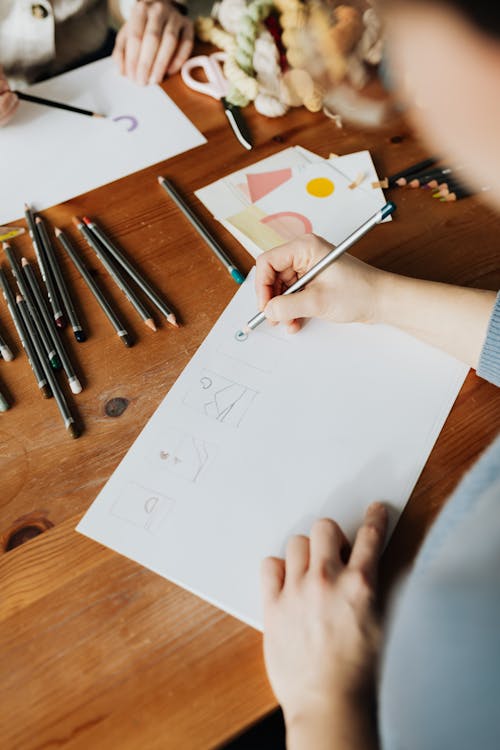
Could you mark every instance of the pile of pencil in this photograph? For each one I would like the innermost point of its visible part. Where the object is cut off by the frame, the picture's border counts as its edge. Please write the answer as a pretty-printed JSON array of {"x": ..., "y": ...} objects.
[
  {"x": 446, "y": 183},
  {"x": 41, "y": 305}
]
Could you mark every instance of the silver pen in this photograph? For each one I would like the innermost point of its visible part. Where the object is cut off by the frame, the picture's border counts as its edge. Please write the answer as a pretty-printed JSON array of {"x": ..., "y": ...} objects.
[{"x": 329, "y": 258}]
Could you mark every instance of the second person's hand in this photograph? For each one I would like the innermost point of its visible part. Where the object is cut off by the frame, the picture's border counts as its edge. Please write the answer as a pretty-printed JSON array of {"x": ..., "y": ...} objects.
[
  {"x": 156, "y": 40},
  {"x": 8, "y": 100}
]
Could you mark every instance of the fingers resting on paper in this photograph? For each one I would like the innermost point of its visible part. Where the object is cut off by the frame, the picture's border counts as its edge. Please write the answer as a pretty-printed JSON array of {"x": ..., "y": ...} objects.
[
  {"x": 156, "y": 40},
  {"x": 346, "y": 291},
  {"x": 320, "y": 623}
]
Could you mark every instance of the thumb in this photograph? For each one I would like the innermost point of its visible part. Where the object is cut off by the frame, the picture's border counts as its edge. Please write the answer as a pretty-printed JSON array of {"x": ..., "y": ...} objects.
[{"x": 288, "y": 307}]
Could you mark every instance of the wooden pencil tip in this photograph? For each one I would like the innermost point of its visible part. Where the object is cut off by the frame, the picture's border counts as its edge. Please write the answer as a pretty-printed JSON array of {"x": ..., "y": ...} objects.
[
  {"x": 24, "y": 262},
  {"x": 57, "y": 231},
  {"x": 172, "y": 320},
  {"x": 414, "y": 184},
  {"x": 96, "y": 114},
  {"x": 38, "y": 219},
  {"x": 77, "y": 222},
  {"x": 401, "y": 182},
  {"x": 151, "y": 324},
  {"x": 27, "y": 207},
  {"x": 160, "y": 179},
  {"x": 86, "y": 220},
  {"x": 19, "y": 298},
  {"x": 73, "y": 430},
  {"x": 5, "y": 246}
]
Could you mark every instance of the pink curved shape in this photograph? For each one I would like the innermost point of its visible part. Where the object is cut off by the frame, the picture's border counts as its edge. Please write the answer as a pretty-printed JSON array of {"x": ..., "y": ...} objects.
[
  {"x": 288, "y": 224},
  {"x": 134, "y": 122}
]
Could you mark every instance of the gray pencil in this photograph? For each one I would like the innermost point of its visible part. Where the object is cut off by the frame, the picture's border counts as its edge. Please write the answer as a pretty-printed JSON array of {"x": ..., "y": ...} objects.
[
  {"x": 60, "y": 283},
  {"x": 40, "y": 241},
  {"x": 131, "y": 270},
  {"x": 4, "y": 404},
  {"x": 52, "y": 276},
  {"x": 73, "y": 381},
  {"x": 328, "y": 259},
  {"x": 56, "y": 273},
  {"x": 5, "y": 350},
  {"x": 99, "y": 296},
  {"x": 202, "y": 230},
  {"x": 68, "y": 419},
  {"x": 24, "y": 337},
  {"x": 114, "y": 273},
  {"x": 32, "y": 306}
]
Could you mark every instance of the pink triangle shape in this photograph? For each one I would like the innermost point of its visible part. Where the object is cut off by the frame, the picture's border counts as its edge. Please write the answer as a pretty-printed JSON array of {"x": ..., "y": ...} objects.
[{"x": 263, "y": 183}]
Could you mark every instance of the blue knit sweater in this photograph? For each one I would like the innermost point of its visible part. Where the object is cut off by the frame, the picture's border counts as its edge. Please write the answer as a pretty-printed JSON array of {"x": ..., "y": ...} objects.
[{"x": 440, "y": 671}]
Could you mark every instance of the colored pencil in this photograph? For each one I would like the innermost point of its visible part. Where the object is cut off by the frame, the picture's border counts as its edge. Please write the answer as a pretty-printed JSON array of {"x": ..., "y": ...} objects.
[
  {"x": 425, "y": 178},
  {"x": 328, "y": 259},
  {"x": 5, "y": 350},
  {"x": 115, "y": 274},
  {"x": 4, "y": 404},
  {"x": 34, "y": 286},
  {"x": 49, "y": 279},
  {"x": 131, "y": 270},
  {"x": 456, "y": 195},
  {"x": 8, "y": 233},
  {"x": 68, "y": 419},
  {"x": 411, "y": 170},
  {"x": 99, "y": 296},
  {"x": 40, "y": 240},
  {"x": 62, "y": 288},
  {"x": 202, "y": 230},
  {"x": 57, "y": 105},
  {"x": 32, "y": 306},
  {"x": 447, "y": 187},
  {"x": 24, "y": 337}
]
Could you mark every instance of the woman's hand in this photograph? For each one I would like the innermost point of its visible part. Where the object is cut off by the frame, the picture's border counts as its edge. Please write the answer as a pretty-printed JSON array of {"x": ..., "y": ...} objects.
[
  {"x": 320, "y": 630},
  {"x": 8, "y": 101},
  {"x": 345, "y": 292},
  {"x": 155, "y": 40}
]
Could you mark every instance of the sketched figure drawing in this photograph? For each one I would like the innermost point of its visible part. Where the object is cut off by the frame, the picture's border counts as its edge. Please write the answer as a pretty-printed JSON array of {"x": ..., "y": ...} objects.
[
  {"x": 220, "y": 399},
  {"x": 185, "y": 455},
  {"x": 142, "y": 507}
]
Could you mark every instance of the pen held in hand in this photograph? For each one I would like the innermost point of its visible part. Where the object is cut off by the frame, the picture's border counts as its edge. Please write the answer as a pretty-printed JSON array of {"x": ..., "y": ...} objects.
[{"x": 329, "y": 258}]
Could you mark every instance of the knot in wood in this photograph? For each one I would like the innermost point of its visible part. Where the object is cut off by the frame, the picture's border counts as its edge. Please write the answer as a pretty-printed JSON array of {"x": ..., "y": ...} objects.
[{"x": 116, "y": 406}]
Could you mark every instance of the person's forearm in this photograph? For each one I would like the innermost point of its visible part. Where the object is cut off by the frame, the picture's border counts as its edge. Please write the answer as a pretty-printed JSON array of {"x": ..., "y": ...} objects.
[
  {"x": 344, "y": 725},
  {"x": 451, "y": 318}
]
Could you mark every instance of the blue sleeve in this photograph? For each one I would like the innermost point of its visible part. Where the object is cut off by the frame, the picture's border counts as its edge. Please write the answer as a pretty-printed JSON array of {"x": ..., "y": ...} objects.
[
  {"x": 489, "y": 361},
  {"x": 439, "y": 682}
]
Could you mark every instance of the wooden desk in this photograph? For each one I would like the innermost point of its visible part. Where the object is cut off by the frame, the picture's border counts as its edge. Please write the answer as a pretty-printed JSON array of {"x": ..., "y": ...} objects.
[{"x": 96, "y": 651}]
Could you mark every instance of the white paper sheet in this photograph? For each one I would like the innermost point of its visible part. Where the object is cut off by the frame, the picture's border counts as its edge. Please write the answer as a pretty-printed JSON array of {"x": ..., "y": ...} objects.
[
  {"x": 48, "y": 155},
  {"x": 258, "y": 438}
]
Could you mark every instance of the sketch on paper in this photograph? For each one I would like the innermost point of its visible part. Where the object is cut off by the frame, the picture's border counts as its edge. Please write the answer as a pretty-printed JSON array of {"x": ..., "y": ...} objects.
[
  {"x": 143, "y": 507},
  {"x": 133, "y": 122},
  {"x": 185, "y": 455},
  {"x": 220, "y": 398}
]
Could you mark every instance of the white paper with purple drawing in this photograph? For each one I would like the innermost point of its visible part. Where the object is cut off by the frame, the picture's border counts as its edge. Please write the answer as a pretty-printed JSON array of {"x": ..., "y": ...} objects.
[
  {"x": 49, "y": 155},
  {"x": 258, "y": 437}
]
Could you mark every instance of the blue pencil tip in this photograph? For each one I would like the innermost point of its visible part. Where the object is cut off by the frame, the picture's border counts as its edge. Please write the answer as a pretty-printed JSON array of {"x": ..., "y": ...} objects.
[{"x": 237, "y": 276}]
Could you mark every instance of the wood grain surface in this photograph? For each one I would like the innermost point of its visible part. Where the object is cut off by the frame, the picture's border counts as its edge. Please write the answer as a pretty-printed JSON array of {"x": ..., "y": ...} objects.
[{"x": 96, "y": 651}]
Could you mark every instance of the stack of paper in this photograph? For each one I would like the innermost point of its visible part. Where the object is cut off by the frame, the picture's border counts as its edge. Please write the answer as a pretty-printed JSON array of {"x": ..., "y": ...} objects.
[{"x": 292, "y": 193}]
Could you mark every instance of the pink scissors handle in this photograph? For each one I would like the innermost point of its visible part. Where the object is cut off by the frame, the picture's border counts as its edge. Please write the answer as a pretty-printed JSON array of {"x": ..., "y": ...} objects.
[{"x": 215, "y": 85}]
